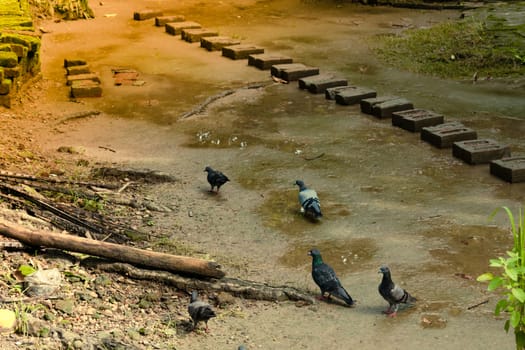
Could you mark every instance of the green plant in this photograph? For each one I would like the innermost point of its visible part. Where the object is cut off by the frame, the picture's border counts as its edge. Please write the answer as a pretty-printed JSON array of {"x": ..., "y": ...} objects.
[{"x": 511, "y": 279}]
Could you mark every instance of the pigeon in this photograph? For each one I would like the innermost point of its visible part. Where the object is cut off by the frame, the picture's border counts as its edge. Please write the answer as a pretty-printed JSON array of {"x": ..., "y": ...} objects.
[
  {"x": 215, "y": 178},
  {"x": 241, "y": 347},
  {"x": 392, "y": 293},
  {"x": 199, "y": 310},
  {"x": 324, "y": 276},
  {"x": 309, "y": 201}
]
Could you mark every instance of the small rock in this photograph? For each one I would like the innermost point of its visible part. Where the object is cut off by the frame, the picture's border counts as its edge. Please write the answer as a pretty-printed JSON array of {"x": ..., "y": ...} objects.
[
  {"x": 7, "y": 321},
  {"x": 66, "y": 306},
  {"x": 433, "y": 320}
]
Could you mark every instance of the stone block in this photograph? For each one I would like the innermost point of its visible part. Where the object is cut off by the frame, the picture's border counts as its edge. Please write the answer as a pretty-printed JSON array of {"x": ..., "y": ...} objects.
[
  {"x": 368, "y": 104},
  {"x": 71, "y": 62},
  {"x": 317, "y": 84},
  {"x": 293, "y": 71},
  {"x": 2, "y": 75},
  {"x": 89, "y": 76},
  {"x": 5, "y": 86},
  {"x": 146, "y": 14},
  {"x": 386, "y": 108},
  {"x": 20, "y": 50},
  {"x": 479, "y": 151},
  {"x": 8, "y": 59},
  {"x": 353, "y": 95},
  {"x": 444, "y": 135},
  {"x": 265, "y": 61},
  {"x": 329, "y": 93},
  {"x": 12, "y": 72},
  {"x": 85, "y": 88},
  {"x": 175, "y": 28},
  {"x": 196, "y": 34},
  {"x": 162, "y": 20},
  {"x": 416, "y": 119},
  {"x": 78, "y": 70},
  {"x": 5, "y": 100},
  {"x": 216, "y": 43},
  {"x": 510, "y": 169},
  {"x": 241, "y": 51}
]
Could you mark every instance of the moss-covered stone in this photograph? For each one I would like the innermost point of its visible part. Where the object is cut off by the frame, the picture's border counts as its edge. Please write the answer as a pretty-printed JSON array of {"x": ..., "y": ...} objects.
[
  {"x": 31, "y": 42},
  {"x": 8, "y": 59},
  {"x": 5, "y": 86}
]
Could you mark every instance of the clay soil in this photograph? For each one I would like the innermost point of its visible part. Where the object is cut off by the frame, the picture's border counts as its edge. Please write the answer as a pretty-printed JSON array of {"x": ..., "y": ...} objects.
[{"x": 138, "y": 127}]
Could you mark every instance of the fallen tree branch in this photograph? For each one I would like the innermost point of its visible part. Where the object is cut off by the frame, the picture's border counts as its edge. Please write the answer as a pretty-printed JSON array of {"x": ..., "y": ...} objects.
[
  {"x": 140, "y": 257},
  {"x": 238, "y": 287},
  {"x": 15, "y": 177},
  {"x": 201, "y": 107},
  {"x": 478, "y": 304}
]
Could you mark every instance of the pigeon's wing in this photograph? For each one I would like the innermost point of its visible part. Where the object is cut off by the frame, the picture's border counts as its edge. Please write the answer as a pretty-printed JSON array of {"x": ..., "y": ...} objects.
[
  {"x": 306, "y": 195},
  {"x": 397, "y": 294},
  {"x": 200, "y": 311},
  {"x": 325, "y": 277}
]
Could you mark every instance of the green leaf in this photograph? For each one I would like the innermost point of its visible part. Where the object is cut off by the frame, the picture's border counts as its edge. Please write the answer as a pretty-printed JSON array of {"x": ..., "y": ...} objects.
[
  {"x": 495, "y": 283},
  {"x": 500, "y": 306},
  {"x": 485, "y": 277},
  {"x": 495, "y": 263},
  {"x": 26, "y": 270},
  {"x": 519, "y": 294},
  {"x": 506, "y": 326},
  {"x": 520, "y": 339},
  {"x": 515, "y": 317},
  {"x": 512, "y": 273}
]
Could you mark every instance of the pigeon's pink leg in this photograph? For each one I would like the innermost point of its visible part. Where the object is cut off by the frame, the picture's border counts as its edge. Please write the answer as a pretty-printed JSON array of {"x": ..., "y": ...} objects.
[{"x": 392, "y": 314}]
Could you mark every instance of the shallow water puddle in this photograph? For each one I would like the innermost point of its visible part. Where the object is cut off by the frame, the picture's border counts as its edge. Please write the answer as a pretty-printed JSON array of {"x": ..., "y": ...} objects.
[
  {"x": 342, "y": 255},
  {"x": 466, "y": 249}
]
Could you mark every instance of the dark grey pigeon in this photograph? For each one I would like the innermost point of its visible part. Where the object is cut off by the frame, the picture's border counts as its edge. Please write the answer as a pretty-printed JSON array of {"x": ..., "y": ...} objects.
[
  {"x": 309, "y": 201},
  {"x": 324, "y": 276},
  {"x": 215, "y": 178},
  {"x": 241, "y": 347},
  {"x": 199, "y": 310},
  {"x": 392, "y": 293}
]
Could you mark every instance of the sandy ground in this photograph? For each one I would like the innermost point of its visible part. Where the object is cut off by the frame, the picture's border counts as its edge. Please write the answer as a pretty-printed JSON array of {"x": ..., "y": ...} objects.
[{"x": 140, "y": 124}]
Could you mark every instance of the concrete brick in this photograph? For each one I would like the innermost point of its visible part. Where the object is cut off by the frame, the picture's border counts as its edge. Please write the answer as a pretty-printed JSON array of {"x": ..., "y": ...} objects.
[
  {"x": 162, "y": 20},
  {"x": 216, "y": 43},
  {"x": 12, "y": 73},
  {"x": 479, "y": 151},
  {"x": 5, "y": 86},
  {"x": 265, "y": 61},
  {"x": 353, "y": 95},
  {"x": 85, "y": 88},
  {"x": 175, "y": 28},
  {"x": 277, "y": 69},
  {"x": 241, "y": 51},
  {"x": 318, "y": 84},
  {"x": 196, "y": 34},
  {"x": 71, "y": 62},
  {"x": 5, "y": 100},
  {"x": 293, "y": 71},
  {"x": 146, "y": 14},
  {"x": 386, "y": 108},
  {"x": 444, "y": 135},
  {"x": 89, "y": 76},
  {"x": 416, "y": 119},
  {"x": 510, "y": 169},
  {"x": 78, "y": 70},
  {"x": 368, "y": 104}
]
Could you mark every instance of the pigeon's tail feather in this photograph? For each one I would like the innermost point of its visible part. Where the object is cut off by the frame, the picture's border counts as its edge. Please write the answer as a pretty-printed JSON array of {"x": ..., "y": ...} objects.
[
  {"x": 345, "y": 296},
  {"x": 407, "y": 298}
]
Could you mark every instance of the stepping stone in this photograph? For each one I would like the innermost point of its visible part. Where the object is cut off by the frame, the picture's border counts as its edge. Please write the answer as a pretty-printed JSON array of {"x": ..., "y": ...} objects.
[
  {"x": 318, "y": 84},
  {"x": 175, "y": 28},
  {"x": 240, "y": 52},
  {"x": 74, "y": 62},
  {"x": 85, "y": 88},
  {"x": 146, "y": 14},
  {"x": 161, "y": 21},
  {"x": 89, "y": 76},
  {"x": 368, "y": 104},
  {"x": 196, "y": 34},
  {"x": 479, "y": 151},
  {"x": 386, "y": 108},
  {"x": 353, "y": 95},
  {"x": 330, "y": 93},
  {"x": 293, "y": 71},
  {"x": 416, "y": 119},
  {"x": 509, "y": 169},
  {"x": 73, "y": 70},
  {"x": 216, "y": 43},
  {"x": 444, "y": 135},
  {"x": 265, "y": 61}
]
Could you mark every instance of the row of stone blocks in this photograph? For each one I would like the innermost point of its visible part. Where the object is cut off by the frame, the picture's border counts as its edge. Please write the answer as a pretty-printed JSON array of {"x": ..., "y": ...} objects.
[
  {"x": 463, "y": 140},
  {"x": 19, "y": 48},
  {"x": 82, "y": 81}
]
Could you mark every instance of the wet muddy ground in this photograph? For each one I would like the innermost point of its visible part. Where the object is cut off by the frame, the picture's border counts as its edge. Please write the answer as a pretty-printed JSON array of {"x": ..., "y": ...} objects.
[{"x": 387, "y": 196}]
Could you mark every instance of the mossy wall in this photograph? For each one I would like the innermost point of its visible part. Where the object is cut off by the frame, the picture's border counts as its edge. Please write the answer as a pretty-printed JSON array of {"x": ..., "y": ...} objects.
[{"x": 19, "y": 47}]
